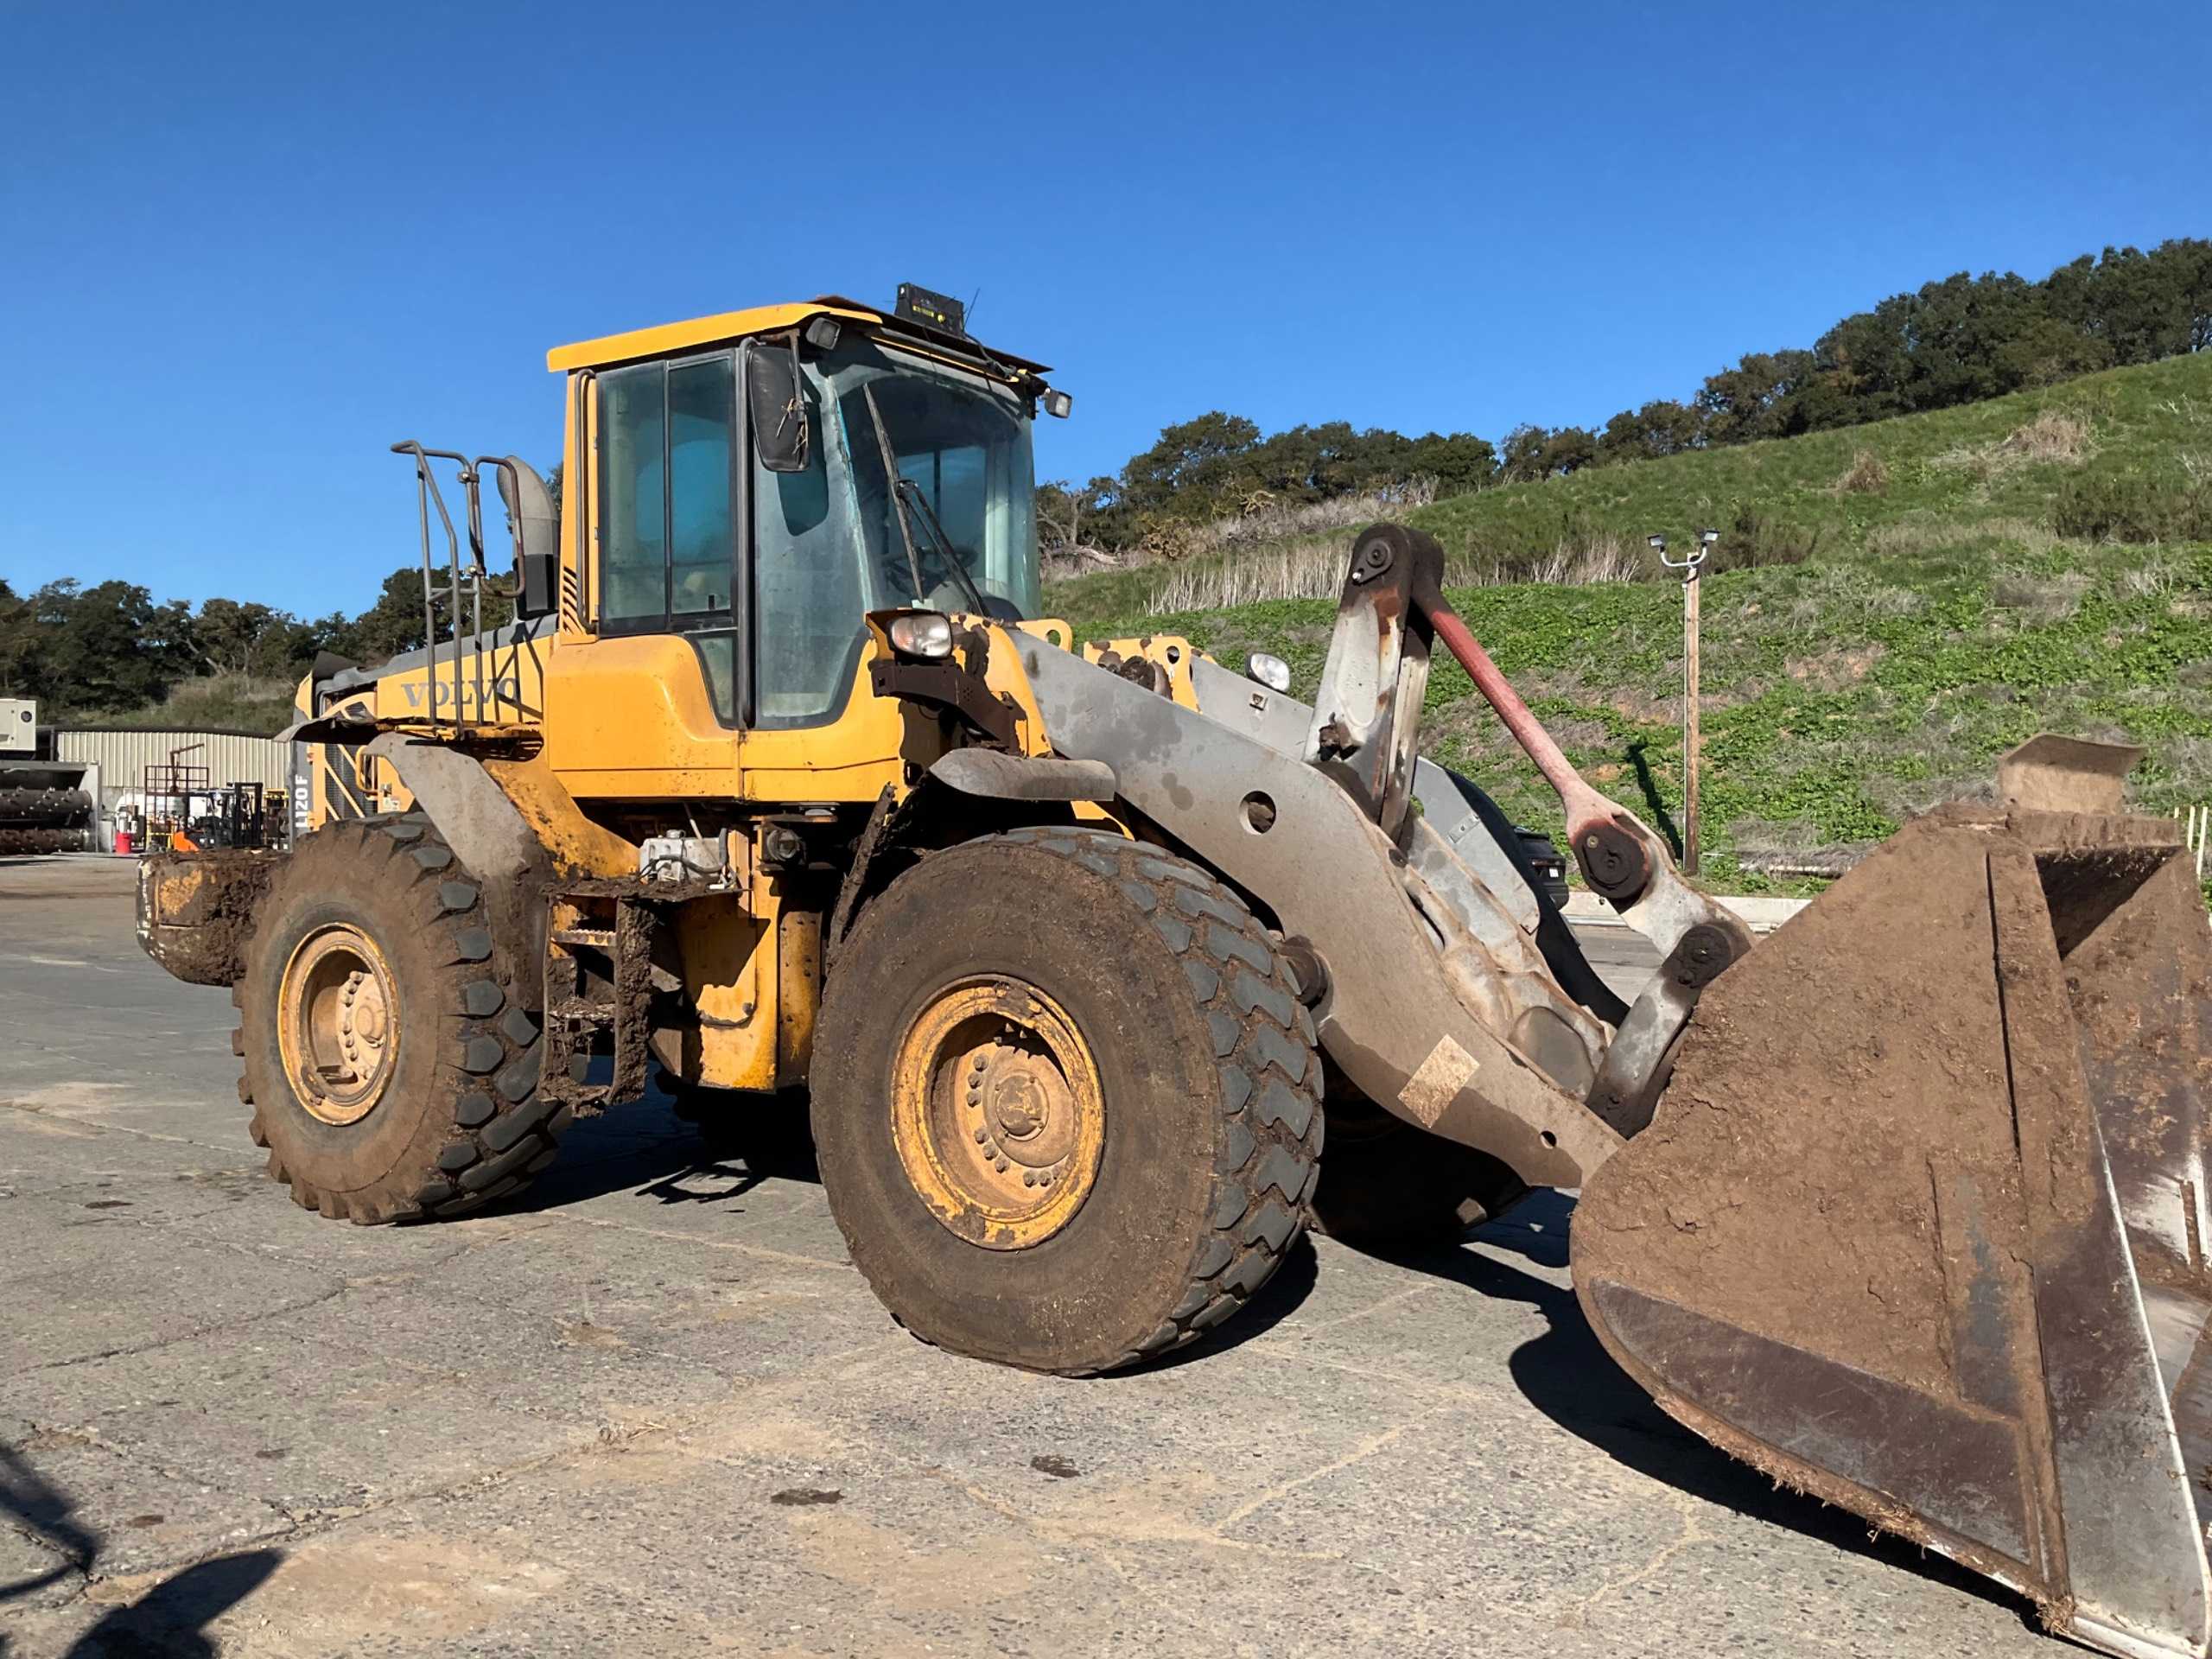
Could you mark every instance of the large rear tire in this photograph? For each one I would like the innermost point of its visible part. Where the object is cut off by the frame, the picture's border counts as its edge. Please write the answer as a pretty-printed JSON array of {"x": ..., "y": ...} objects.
[
  {"x": 1066, "y": 1105},
  {"x": 392, "y": 1052}
]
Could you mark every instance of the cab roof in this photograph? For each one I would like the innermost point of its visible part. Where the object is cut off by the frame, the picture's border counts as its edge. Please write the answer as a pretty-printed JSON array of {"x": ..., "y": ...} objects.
[{"x": 669, "y": 338}]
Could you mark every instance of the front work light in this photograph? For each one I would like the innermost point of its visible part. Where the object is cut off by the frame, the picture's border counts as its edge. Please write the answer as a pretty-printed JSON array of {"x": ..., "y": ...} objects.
[
  {"x": 1269, "y": 670},
  {"x": 1058, "y": 404},
  {"x": 922, "y": 634}
]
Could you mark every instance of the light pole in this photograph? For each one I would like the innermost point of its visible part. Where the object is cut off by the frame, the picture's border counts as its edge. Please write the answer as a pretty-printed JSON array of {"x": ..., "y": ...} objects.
[{"x": 1689, "y": 566}]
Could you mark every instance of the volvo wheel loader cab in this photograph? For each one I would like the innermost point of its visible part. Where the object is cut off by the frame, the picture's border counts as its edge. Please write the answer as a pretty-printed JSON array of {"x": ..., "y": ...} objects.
[{"x": 1105, "y": 969}]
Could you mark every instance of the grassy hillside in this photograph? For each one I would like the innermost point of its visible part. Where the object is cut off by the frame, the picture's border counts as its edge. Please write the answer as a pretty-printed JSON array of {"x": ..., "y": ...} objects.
[
  {"x": 221, "y": 702},
  {"x": 1891, "y": 606}
]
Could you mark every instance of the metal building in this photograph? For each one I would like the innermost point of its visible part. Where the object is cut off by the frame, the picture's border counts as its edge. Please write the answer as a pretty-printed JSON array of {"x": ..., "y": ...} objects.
[{"x": 127, "y": 757}]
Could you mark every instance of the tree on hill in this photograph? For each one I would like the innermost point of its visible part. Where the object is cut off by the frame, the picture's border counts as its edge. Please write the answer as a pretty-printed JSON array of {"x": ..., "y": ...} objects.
[
  {"x": 248, "y": 638},
  {"x": 1752, "y": 400},
  {"x": 1458, "y": 463},
  {"x": 1662, "y": 427},
  {"x": 1955, "y": 341},
  {"x": 1192, "y": 468},
  {"x": 1521, "y": 458},
  {"x": 1068, "y": 515},
  {"x": 106, "y": 647}
]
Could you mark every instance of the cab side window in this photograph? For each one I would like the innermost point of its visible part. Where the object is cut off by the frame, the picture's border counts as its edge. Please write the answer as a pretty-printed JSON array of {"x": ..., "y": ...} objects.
[
  {"x": 634, "y": 510},
  {"x": 667, "y": 532}
]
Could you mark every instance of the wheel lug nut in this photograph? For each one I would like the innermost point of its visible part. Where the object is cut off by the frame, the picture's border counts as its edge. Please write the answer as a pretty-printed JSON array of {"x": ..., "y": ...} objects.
[
  {"x": 982, "y": 1136},
  {"x": 1001, "y": 1166}
]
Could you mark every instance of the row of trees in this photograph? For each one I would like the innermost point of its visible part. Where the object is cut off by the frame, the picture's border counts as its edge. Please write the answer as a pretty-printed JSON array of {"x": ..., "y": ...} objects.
[
  {"x": 1218, "y": 465},
  {"x": 1950, "y": 342},
  {"x": 109, "y": 648}
]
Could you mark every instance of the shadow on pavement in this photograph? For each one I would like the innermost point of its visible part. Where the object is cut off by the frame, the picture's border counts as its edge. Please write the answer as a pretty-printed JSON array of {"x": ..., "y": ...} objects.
[
  {"x": 31, "y": 1504},
  {"x": 168, "y": 1620},
  {"x": 1567, "y": 1375},
  {"x": 647, "y": 1151},
  {"x": 171, "y": 1618}
]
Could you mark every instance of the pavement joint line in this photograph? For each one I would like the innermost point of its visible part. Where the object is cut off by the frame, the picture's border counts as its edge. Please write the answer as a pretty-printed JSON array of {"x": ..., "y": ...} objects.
[
  {"x": 1180, "y": 1530},
  {"x": 1360, "y": 1453},
  {"x": 90, "y": 1439},
  {"x": 1188, "y": 1530},
  {"x": 1295, "y": 1327},
  {"x": 1690, "y": 1534},
  {"x": 398, "y": 1279},
  {"x": 178, "y": 1220},
  {"x": 315, "y": 1523},
  {"x": 1449, "y": 1392},
  {"x": 289, "y": 1256},
  {"x": 182, "y": 1224},
  {"x": 125, "y": 1128},
  {"x": 216, "y": 1328},
  {"x": 403, "y": 1277}
]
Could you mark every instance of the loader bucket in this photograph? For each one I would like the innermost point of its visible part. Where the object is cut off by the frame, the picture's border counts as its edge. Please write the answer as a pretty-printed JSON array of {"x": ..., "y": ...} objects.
[{"x": 1919, "y": 1225}]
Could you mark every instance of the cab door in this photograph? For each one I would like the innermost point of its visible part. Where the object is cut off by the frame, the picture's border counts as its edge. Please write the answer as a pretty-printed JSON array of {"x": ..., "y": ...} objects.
[{"x": 649, "y": 703}]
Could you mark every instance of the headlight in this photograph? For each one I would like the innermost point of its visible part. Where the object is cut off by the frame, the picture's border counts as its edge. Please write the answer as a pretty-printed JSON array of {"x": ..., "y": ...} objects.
[
  {"x": 1270, "y": 671},
  {"x": 922, "y": 634}
]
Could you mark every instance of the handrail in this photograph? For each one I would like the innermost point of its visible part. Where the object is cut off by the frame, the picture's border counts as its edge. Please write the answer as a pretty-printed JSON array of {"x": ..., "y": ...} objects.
[{"x": 428, "y": 494}]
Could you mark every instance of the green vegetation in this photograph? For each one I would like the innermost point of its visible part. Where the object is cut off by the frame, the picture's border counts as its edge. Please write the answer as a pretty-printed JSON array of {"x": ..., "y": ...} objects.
[
  {"x": 1946, "y": 344},
  {"x": 1892, "y": 605},
  {"x": 108, "y": 655}
]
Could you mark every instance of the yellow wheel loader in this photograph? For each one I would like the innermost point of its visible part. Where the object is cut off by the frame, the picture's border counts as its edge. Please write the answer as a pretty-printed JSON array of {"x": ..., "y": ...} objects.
[{"x": 775, "y": 780}]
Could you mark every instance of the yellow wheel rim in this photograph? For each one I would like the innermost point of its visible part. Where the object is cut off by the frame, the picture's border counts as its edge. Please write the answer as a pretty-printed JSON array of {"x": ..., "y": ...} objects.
[
  {"x": 337, "y": 1023},
  {"x": 996, "y": 1112}
]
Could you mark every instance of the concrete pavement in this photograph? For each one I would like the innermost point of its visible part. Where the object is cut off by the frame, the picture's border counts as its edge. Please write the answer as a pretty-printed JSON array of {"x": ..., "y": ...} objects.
[{"x": 649, "y": 1408}]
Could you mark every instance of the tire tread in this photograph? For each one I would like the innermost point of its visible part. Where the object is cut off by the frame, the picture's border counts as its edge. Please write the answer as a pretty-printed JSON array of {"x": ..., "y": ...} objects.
[
  {"x": 1265, "y": 1173},
  {"x": 498, "y": 1151}
]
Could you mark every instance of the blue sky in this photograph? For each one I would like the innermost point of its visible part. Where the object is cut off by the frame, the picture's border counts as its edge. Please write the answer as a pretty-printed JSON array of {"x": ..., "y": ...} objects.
[{"x": 243, "y": 248}]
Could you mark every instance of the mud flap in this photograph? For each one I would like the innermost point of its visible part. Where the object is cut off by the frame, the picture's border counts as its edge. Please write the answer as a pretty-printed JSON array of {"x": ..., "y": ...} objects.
[{"x": 1918, "y": 1225}]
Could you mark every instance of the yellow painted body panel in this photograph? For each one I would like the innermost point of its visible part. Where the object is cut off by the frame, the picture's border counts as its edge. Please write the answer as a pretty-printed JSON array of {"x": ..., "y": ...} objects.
[
  {"x": 629, "y": 717},
  {"x": 503, "y": 686},
  {"x": 727, "y": 947},
  {"x": 673, "y": 339}
]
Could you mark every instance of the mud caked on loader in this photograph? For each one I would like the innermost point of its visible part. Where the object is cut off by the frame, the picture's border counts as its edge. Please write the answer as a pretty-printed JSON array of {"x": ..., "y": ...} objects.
[{"x": 775, "y": 779}]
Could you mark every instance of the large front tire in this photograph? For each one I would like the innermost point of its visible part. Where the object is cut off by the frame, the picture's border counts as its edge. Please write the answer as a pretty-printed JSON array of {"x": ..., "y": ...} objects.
[
  {"x": 390, "y": 1051},
  {"x": 1067, "y": 1104}
]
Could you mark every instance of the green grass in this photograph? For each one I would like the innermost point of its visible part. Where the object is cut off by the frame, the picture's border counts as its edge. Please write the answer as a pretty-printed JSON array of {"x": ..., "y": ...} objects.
[{"x": 1936, "y": 622}]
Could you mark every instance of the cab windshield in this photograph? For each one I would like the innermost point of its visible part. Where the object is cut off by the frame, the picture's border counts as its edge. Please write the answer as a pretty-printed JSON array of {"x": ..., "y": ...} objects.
[{"x": 840, "y": 538}]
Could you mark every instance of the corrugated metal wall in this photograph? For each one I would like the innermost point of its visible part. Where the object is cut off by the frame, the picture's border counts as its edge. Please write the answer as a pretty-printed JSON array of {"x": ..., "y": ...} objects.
[{"x": 124, "y": 756}]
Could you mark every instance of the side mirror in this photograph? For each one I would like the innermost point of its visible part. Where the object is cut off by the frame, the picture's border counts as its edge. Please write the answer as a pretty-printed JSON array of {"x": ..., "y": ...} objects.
[{"x": 776, "y": 401}]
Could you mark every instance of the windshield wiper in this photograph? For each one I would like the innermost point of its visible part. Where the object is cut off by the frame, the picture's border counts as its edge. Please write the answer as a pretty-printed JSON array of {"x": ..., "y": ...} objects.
[
  {"x": 892, "y": 480},
  {"x": 944, "y": 544},
  {"x": 899, "y": 484}
]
